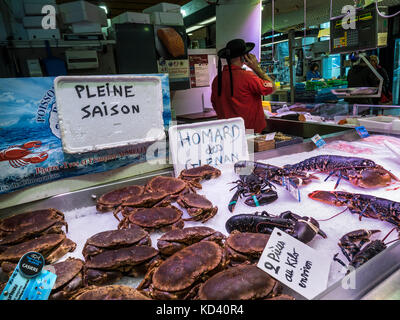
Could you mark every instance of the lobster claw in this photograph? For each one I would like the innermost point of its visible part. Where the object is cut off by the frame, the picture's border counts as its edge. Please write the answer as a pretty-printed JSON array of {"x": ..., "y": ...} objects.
[
  {"x": 32, "y": 144},
  {"x": 265, "y": 197}
]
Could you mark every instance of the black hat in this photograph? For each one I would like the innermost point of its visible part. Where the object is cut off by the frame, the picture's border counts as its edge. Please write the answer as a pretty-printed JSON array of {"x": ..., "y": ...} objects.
[{"x": 234, "y": 48}]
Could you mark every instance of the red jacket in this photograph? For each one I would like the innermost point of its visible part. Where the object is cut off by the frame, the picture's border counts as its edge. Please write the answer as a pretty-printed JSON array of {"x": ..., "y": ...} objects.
[{"x": 246, "y": 100}]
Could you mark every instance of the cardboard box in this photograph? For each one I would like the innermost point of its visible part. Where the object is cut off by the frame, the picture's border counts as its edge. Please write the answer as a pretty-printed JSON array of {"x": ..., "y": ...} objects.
[
  {"x": 163, "y": 7},
  {"x": 43, "y": 34},
  {"x": 34, "y": 7},
  {"x": 32, "y": 21},
  {"x": 86, "y": 27},
  {"x": 82, "y": 11},
  {"x": 167, "y": 18},
  {"x": 131, "y": 17}
]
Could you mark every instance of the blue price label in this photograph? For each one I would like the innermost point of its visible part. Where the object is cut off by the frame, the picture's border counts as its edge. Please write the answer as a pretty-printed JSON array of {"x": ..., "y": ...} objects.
[
  {"x": 23, "y": 286},
  {"x": 319, "y": 142},
  {"x": 362, "y": 132}
]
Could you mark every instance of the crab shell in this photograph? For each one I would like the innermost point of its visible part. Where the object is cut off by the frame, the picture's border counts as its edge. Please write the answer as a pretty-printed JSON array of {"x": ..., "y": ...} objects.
[
  {"x": 115, "y": 239},
  {"x": 244, "y": 282},
  {"x": 51, "y": 246},
  {"x": 145, "y": 200},
  {"x": 198, "y": 207},
  {"x": 246, "y": 246},
  {"x": 69, "y": 278},
  {"x": 162, "y": 218},
  {"x": 30, "y": 224},
  {"x": 178, "y": 274},
  {"x": 195, "y": 175},
  {"x": 177, "y": 239},
  {"x": 110, "y": 292},
  {"x": 170, "y": 185},
  {"x": 113, "y": 199},
  {"x": 111, "y": 265}
]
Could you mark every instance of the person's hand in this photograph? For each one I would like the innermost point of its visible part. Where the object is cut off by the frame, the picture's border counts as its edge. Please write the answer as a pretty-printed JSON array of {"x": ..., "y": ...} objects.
[{"x": 251, "y": 61}]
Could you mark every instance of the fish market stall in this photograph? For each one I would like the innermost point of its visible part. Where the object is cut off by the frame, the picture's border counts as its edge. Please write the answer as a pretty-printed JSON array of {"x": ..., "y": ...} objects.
[{"x": 84, "y": 220}]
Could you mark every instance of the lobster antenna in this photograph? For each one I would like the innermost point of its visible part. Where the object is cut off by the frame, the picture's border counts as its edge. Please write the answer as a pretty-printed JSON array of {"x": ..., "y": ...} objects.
[
  {"x": 383, "y": 240},
  {"x": 333, "y": 216},
  {"x": 392, "y": 241}
]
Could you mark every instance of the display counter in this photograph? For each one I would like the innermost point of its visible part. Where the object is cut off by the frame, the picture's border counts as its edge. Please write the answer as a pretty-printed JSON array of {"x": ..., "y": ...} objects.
[{"x": 372, "y": 278}]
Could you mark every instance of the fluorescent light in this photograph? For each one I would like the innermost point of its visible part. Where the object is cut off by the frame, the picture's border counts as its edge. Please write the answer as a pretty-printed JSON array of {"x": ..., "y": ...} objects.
[
  {"x": 190, "y": 34},
  {"x": 183, "y": 12},
  {"x": 208, "y": 21},
  {"x": 104, "y": 8},
  {"x": 193, "y": 28}
]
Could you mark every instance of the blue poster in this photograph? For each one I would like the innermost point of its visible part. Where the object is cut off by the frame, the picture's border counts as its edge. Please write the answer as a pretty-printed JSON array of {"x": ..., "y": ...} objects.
[{"x": 30, "y": 142}]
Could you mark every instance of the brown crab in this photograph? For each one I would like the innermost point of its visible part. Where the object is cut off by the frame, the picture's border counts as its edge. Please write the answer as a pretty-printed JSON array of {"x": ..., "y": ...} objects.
[
  {"x": 111, "y": 200},
  {"x": 244, "y": 282},
  {"x": 52, "y": 246},
  {"x": 245, "y": 247},
  {"x": 170, "y": 185},
  {"x": 197, "y": 206},
  {"x": 152, "y": 219},
  {"x": 111, "y": 265},
  {"x": 145, "y": 200},
  {"x": 110, "y": 292},
  {"x": 69, "y": 278},
  {"x": 115, "y": 239},
  {"x": 194, "y": 175},
  {"x": 179, "y": 273},
  {"x": 28, "y": 225},
  {"x": 177, "y": 239}
]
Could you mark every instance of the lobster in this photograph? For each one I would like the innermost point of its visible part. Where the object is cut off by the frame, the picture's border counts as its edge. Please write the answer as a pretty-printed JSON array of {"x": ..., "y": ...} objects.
[
  {"x": 362, "y": 204},
  {"x": 256, "y": 190},
  {"x": 360, "y": 172},
  {"x": 22, "y": 155},
  {"x": 301, "y": 228},
  {"x": 271, "y": 173},
  {"x": 351, "y": 245}
]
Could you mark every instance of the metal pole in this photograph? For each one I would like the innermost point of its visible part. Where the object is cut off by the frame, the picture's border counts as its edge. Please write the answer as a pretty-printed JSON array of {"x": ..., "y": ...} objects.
[{"x": 291, "y": 64}]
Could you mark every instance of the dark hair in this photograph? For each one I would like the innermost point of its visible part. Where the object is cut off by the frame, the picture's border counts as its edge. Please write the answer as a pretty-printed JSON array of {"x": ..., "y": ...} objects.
[{"x": 313, "y": 65}]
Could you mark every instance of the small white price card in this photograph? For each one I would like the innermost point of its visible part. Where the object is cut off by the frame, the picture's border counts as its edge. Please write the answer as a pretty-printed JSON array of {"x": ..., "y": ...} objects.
[{"x": 295, "y": 264}]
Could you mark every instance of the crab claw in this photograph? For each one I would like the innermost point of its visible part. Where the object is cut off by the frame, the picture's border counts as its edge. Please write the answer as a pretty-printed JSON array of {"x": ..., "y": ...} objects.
[{"x": 32, "y": 144}]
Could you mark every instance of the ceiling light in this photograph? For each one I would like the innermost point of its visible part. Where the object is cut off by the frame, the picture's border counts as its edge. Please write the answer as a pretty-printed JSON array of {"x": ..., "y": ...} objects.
[
  {"x": 104, "y": 8},
  {"x": 208, "y": 21},
  {"x": 193, "y": 28}
]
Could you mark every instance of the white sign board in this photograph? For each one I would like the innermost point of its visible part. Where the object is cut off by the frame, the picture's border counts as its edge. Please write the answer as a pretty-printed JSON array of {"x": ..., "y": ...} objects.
[
  {"x": 215, "y": 143},
  {"x": 295, "y": 264},
  {"x": 102, "y": 112}
]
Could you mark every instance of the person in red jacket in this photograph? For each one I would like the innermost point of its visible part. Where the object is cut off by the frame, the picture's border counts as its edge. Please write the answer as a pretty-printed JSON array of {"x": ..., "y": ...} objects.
[{"x": 237, "y": 92}]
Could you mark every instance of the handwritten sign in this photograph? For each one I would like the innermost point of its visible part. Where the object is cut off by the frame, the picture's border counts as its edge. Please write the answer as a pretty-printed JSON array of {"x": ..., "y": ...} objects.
[
  {"x": 215, "y": 143},
  {"x": 102, "y": 112},
  {"x": 319, "y": 142},
  {"x": 295, "y": 264}
]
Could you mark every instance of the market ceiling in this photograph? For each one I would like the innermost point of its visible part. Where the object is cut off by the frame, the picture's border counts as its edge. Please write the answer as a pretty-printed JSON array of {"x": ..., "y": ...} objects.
[
  {"x": 289, "y": 13},
  {"x": 116, "y": 7}
]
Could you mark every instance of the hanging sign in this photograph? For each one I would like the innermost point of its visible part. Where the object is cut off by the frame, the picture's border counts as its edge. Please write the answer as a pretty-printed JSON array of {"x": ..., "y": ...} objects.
[
  {"x": 103, "y": 112},
  {"x": 30, "y": 280},
  {"x": 295, "y": 264},
  {"x": 215, "y": 143}
]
